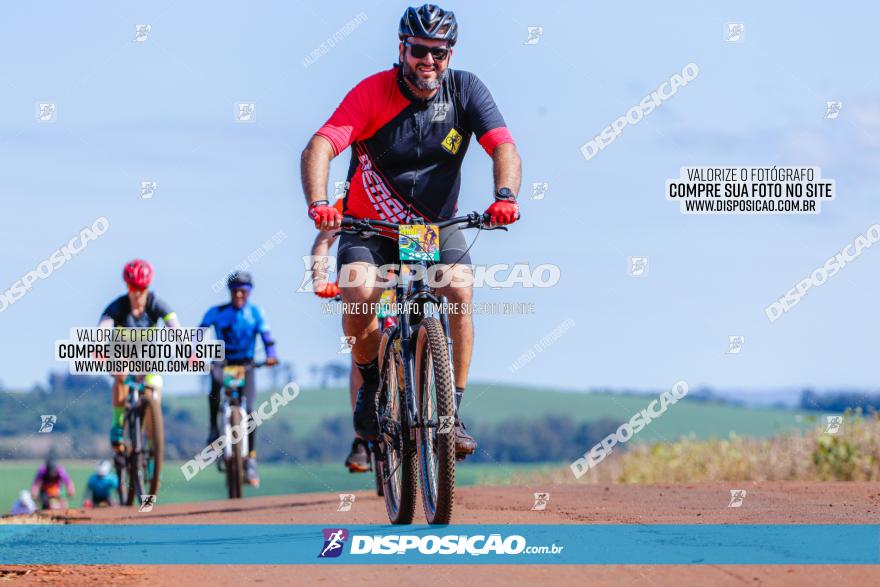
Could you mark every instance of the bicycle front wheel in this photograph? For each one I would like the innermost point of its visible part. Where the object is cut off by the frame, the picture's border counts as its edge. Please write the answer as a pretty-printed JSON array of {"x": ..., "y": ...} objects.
[
  {"x": 152, "y": 445},
  {"x": 436, "y": 403},
  {"x": 235, "y": 463},
  {"x": 120, "y": 463},
  {"x": 376, "y": 463}
]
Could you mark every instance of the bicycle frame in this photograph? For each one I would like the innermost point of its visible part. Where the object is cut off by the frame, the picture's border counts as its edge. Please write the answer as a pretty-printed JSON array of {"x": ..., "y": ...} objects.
[
  {"x": 135, "y": 386},
  {"x": 422, "y": 327},
  {"x": 233, "y": 398},
  {"x": 417, "y": 292}
]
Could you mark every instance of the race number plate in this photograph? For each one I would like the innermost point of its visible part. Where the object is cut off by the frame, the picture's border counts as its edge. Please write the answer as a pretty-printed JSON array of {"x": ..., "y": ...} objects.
[
  {"x": 233, "y": 376},
  {"x": 419, "y": 242}
]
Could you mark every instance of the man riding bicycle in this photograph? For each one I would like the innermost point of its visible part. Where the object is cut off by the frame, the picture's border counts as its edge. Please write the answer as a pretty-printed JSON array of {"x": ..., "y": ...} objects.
[
  {"x": 409, "y": 128},
  {"x": 238, "y": 323},
  {"x": 140, "y": 308}
]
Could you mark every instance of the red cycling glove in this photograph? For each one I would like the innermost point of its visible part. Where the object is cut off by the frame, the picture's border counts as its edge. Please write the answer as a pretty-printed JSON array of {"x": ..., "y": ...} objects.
[
  {"x": 328, "y": 290},
  {"x": 503, "y": 212},
  {"x": 323, "y": 213}
]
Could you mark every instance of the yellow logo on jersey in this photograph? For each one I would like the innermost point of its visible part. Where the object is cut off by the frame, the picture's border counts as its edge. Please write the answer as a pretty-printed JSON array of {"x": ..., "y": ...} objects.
[{"x": 452, "y": 142}]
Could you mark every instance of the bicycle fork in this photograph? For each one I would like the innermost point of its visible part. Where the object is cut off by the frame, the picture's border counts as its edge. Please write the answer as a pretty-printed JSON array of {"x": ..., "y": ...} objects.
[
  {"x": 406, "y": 352},
  {"x": 228, "y": 407}
]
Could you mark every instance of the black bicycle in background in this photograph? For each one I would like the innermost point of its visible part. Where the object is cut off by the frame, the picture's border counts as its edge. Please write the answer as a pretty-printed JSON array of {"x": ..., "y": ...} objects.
[
  {"x": 416, "y": 398},
  {"x": 139, "y": 461},
  {"x": 234, "y": 410}
]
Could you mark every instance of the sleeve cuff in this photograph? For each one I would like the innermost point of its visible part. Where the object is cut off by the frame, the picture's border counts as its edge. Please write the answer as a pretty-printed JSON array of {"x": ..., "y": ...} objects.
[
  {"x": 339, "y": 136},
  {"x": 495, "y": 137}
]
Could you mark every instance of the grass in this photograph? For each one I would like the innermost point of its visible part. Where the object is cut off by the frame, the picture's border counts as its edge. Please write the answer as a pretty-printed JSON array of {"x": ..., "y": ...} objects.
[
  {"x": 851, "y": 454},
  {"x": 491, "y": 404},
  {"x": 276, "y": 479}
]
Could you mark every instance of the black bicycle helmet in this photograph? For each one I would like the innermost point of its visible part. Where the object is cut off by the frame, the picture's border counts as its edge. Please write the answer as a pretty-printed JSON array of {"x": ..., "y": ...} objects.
[
  {"x": 239, "y": 279},
  {"x": 51, "y": 470},
  {"x": 429, "y": 21}
]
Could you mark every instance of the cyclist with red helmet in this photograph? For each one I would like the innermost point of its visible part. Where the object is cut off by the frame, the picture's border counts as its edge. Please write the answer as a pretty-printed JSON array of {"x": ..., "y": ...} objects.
[
  {"x": 409, "y": 128},
  {"x": 139, "y": 308}
]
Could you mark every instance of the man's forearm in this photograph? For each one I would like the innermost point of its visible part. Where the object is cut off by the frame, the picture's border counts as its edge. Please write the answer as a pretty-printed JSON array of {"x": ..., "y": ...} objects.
[
  {"x": 506, "y": 167},
  {"x": 315, "y": 167}
]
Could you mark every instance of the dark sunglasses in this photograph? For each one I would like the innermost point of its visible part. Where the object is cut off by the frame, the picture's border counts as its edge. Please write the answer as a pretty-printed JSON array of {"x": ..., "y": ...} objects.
[{"x": 420, "y": 51}]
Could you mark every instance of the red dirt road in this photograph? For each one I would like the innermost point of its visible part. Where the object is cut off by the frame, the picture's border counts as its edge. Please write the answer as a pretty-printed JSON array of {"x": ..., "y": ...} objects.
[{"x": 783, "y": 503}]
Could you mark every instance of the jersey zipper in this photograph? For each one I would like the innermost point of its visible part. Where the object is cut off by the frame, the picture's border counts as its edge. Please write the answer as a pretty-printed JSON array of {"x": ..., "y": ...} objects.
[{"x": 412, "y": 193}]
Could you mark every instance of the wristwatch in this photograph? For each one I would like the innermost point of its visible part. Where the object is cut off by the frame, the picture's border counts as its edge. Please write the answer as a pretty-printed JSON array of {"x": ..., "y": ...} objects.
[{"x": 505, "y": 194}]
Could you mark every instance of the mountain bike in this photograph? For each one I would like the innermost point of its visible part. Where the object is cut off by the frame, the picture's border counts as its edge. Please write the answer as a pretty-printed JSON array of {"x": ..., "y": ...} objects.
[
  {"x": 235, "y": 412},
  {"x": 52, "y": 502},
  {"x": 416, "y": 397},
  {"x": 139, "y": 462}
]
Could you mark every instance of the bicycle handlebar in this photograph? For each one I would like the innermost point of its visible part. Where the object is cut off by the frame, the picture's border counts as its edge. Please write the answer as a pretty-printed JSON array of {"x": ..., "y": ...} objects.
[
  {"x": 472, "y": 220},
  {"x": 225, "y": 363}
]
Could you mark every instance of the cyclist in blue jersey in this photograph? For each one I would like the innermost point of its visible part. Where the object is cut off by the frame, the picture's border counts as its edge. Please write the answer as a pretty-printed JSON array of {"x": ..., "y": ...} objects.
[
  {"x": 238, "y": 323},
  {"x": 101, "y": 485}
]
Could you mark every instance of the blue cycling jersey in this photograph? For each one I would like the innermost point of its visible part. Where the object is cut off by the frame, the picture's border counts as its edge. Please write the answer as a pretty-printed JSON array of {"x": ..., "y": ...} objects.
[
  {"x": 238, "y": 328},
  {"x": 102, "y": 487}
]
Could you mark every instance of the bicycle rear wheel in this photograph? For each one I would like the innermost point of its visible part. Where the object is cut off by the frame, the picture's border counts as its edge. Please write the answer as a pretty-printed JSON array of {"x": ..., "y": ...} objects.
[
  {"x": 120, "y": 463},
  {"x": 133, "y": 472},
  {"x": 436, "y": 396},
  {"x": 397, "y": 453},
  {"x": 235, "y": 463}
]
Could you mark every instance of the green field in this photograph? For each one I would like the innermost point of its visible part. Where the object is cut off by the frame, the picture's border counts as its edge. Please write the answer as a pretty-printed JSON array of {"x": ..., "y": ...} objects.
[
  {"x": 512, "y": 409},
  {"x": 491, "y": 404},
  {"x": 276, "y": 479}
]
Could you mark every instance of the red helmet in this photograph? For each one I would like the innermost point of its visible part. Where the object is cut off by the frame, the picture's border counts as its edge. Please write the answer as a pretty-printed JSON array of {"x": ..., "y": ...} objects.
[{"x": 138, "y": 273}]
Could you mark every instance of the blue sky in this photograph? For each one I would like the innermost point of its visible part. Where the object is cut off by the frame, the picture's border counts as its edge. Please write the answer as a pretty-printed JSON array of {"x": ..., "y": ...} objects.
[{"x": 162, "y": 110}]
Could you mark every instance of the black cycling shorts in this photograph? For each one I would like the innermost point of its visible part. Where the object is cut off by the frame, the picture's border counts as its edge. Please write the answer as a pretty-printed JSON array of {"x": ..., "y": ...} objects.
[{"x": 380, "y": 250}]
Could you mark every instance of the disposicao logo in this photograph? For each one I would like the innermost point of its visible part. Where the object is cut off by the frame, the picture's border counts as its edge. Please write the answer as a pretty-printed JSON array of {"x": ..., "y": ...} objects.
[{"x": 334, "y": 539}]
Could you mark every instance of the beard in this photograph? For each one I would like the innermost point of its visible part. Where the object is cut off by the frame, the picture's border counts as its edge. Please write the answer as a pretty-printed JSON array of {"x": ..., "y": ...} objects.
[{"x": 412, "y": 76}]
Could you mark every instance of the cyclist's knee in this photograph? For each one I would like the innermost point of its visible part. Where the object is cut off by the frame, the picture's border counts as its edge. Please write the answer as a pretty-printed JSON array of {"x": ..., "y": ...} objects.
[
  {"x": 154, "y": 382},
  {"x": 457, "y": 284},
  {"x": 454, "y": 277},
  {"x": 357, "y": 295},
  {"x": 357, "y": 280}
]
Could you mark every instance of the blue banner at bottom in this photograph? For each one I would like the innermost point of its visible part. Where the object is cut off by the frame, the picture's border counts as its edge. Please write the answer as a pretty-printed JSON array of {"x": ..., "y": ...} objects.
[{"x": 602, "y": 544}]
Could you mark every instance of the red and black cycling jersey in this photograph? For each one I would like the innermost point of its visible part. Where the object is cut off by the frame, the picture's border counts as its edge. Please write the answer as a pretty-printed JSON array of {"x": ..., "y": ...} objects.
[
  {"x": 406, "y": 153},
  {"x": 120, "y": 311}
]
